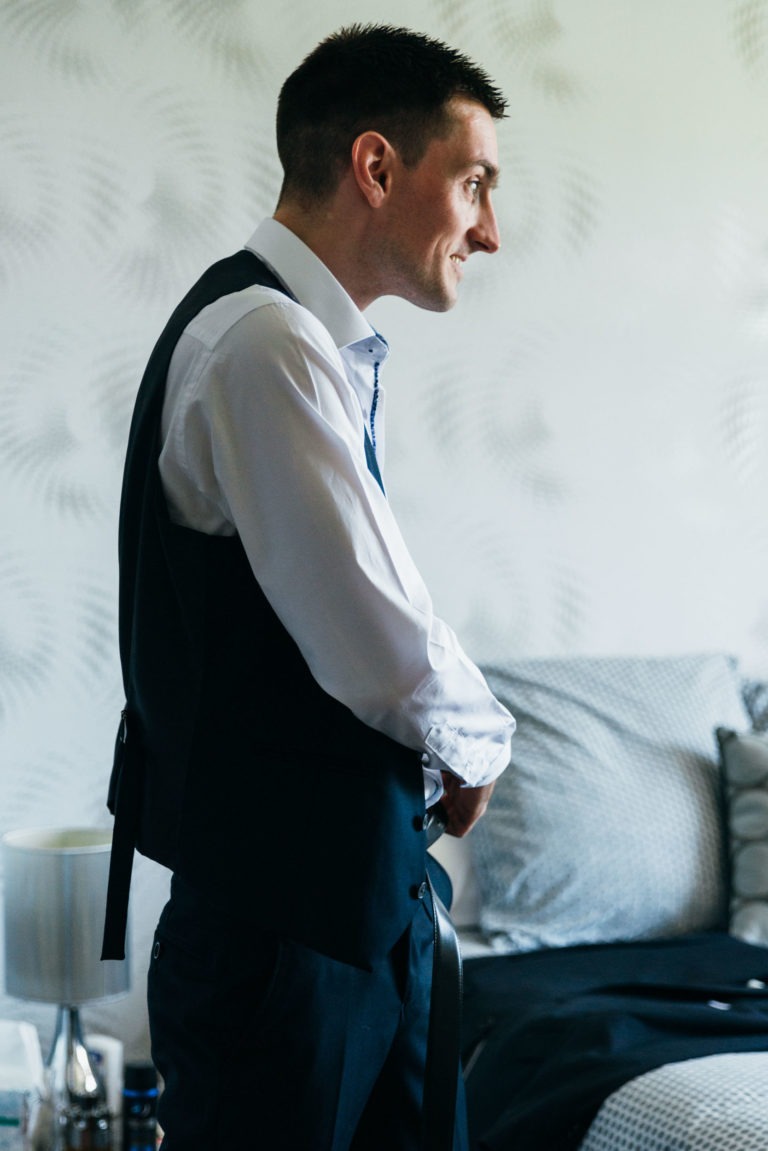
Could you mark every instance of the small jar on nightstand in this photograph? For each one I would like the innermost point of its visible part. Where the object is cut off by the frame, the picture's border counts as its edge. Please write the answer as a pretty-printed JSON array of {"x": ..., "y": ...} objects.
[{"x": 140, "y": 1107}]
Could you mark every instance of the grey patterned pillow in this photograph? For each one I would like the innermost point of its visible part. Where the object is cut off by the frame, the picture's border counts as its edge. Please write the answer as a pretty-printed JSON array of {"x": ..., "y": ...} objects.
[
  {"x": 755, "y": 694},
  {"x": 745, "y": 774},
  {"x": 608, "y": 823}
]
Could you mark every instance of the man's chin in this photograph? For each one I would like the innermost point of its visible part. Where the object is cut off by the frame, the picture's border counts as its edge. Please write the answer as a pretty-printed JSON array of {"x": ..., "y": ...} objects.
[
  {"x": 430, "y": 298},
  {"x": 438, "y": 302}
]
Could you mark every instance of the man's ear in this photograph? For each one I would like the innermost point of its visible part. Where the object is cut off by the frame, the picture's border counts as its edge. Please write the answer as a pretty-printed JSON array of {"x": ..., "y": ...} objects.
[{"x": 372, "y": 163}]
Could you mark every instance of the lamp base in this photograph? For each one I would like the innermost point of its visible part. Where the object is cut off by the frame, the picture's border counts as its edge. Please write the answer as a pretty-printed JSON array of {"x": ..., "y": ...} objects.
[{"x": 79, "y": 1112}]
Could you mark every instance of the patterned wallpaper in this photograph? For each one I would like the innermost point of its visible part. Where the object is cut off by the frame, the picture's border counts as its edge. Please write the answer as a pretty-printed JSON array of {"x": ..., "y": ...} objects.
[{"x": 577, "y": 454}]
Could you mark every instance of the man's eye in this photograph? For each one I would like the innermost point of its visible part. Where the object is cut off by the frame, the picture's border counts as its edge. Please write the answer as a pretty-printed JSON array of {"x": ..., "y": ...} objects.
[{"x": 474, "y": 188}]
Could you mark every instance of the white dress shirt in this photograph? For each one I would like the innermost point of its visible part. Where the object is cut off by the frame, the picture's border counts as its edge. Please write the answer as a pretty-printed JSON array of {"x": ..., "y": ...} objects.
[{"x": 263, "y": 436}]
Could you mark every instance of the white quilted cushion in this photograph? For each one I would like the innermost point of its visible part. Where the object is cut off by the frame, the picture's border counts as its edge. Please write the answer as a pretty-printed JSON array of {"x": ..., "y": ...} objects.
[{"x": 719, "y": 1103}]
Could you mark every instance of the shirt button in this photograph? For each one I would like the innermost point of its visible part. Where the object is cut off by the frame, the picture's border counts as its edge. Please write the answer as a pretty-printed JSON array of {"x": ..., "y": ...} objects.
[
  {"x": 418, "y": 891},
  {"x": 425, "y": 758}
]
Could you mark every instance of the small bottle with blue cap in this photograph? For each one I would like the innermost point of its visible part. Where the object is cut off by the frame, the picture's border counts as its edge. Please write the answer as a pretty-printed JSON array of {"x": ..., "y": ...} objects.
[{"x": 140, "y": 1093}]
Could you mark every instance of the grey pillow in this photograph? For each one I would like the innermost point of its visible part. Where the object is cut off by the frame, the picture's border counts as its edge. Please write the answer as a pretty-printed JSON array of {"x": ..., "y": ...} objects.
[
  {"x": 608, "y": 823},
  {"x": 745, "y": 775},
  {"x": 755, "y": 693}
]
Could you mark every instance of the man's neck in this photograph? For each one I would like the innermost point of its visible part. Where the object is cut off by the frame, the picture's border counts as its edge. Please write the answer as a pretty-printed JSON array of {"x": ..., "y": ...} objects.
[{"x": 339, "y": 239}]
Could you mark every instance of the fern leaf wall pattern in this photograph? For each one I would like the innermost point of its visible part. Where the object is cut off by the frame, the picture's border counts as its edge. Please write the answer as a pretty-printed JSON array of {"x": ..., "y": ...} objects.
[{"x": 577, "y": 454}]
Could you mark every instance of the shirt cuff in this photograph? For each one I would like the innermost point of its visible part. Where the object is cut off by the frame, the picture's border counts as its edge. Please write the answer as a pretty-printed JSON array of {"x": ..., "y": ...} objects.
[{"x": 476, "y": 764}]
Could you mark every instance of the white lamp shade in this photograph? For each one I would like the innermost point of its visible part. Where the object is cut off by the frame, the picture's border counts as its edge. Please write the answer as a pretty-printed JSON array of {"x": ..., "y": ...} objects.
[{"x": 55, "y": 893}]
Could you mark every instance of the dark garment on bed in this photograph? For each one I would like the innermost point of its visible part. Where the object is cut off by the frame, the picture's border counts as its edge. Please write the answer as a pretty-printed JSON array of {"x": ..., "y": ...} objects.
[{"x": 549, "y": 1035}]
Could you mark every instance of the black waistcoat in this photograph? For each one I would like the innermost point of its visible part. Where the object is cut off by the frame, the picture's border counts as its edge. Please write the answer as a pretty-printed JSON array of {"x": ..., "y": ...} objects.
[{"x": 233, "y": 767}]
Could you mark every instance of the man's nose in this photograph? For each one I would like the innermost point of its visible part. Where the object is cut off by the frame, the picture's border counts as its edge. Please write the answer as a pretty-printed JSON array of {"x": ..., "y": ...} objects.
[{"x": 484, "y": 235}]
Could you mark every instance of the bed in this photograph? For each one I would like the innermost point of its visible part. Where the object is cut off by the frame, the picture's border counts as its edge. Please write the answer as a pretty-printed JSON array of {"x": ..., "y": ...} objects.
[{"x": 613, "y": 910}]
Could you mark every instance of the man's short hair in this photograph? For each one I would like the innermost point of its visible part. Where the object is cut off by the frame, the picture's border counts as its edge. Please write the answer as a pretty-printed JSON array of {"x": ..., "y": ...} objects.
[{"x": 369, "y": 77}]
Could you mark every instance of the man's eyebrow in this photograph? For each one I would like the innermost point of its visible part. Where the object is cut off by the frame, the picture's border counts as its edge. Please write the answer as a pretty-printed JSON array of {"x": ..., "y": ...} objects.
[{"x": 491, "y": 171}]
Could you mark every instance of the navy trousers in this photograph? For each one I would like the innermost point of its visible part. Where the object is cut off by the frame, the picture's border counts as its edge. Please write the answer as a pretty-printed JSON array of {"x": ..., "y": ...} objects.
[{"x": 264, "y": 1043}]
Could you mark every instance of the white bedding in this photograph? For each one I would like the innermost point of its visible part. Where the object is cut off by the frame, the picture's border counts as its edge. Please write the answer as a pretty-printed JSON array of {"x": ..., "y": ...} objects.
[{"x": 719, "y": 1103}]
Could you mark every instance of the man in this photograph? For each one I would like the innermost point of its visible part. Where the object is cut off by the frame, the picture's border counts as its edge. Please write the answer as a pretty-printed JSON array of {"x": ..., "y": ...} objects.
[{"x": 293, "y": 704}]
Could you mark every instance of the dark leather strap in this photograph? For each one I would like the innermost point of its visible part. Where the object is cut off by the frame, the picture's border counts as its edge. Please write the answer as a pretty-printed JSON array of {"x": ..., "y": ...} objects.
[
  {"x": 125, "y": 796},
  {"x": 444, "y": 1037}
]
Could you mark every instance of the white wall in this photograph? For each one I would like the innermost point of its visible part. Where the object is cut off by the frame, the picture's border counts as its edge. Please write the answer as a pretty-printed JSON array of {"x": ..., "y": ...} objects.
[{"x": 577, "y": 453}]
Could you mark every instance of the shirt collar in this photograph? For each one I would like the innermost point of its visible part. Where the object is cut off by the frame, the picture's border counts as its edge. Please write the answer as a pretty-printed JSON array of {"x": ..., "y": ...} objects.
[{"x": 313, "y": 285}]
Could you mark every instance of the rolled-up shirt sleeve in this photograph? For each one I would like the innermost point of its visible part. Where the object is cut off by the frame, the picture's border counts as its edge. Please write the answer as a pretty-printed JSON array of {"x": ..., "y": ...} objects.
[{"x": 264, "y": 437}]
